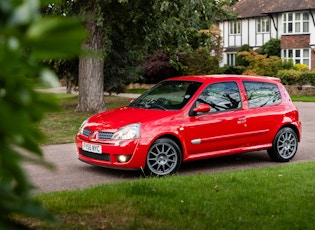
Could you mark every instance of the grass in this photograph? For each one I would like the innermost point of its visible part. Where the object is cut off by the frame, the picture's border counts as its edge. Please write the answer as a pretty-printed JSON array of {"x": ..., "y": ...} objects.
[
  {"x": 278, "y": 197},
  {"x": 137, "y": 91},
  {"x": 303, "y": 98},
  {"x": 61, "y": 127}
]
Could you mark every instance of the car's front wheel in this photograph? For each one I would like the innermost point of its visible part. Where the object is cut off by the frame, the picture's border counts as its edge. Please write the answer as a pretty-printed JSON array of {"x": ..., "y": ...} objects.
[
  {"x": 284, "y": 145},
  {"x": 164, "y": 157}
]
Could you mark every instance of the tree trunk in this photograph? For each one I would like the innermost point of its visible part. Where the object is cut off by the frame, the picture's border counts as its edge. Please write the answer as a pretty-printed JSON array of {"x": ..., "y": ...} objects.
[{"x": 91, "y": 72}]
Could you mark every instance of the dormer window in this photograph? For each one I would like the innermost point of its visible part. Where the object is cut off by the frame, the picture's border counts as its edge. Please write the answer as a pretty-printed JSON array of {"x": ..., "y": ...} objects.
[{"x": 295, "y": 23}]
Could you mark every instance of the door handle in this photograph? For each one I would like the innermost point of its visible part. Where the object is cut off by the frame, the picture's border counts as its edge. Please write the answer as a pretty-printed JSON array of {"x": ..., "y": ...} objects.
[{"x": 241, "y": 120}]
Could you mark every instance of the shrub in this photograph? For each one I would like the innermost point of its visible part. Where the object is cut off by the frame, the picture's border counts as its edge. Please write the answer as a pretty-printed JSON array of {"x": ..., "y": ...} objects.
[
  {"x": 289, "y": 77},
  {"x": 287, "y": 64},
  {"x": 308, "y": 78},
  {"x": 301, "y": 67},
  {"x": 296, "y": 77},
  {"x": 260, "y": 64},
  {"x": 230, "y": 69},
  {"x": 271, "y": 48},
  {"x": 240, "y": 60}
]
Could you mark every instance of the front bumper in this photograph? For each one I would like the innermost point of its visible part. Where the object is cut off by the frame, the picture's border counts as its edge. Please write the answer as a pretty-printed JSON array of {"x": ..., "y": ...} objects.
[{"x": 110, "y": 150}]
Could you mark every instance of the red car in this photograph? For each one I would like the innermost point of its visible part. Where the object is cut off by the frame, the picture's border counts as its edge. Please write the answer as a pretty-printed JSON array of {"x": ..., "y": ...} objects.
[{"x": 191, "y": 118}]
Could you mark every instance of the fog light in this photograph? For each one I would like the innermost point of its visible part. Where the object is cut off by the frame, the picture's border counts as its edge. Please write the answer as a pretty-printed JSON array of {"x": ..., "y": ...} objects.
[{"x": 123, "y": 158}]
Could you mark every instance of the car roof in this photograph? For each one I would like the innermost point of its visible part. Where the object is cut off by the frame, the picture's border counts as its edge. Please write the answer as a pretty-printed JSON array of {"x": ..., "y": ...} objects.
[{"x": 225, "y": 77}]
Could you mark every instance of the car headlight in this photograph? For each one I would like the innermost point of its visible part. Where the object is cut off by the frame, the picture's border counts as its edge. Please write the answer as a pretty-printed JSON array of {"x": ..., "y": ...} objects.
[
  {"x": 127, "y": 132},
  {"x": 82, "y": 127}
]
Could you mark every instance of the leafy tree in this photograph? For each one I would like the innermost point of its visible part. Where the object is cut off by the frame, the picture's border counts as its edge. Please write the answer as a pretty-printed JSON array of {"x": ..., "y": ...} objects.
[
  {"x": 157, "y": 67},
  {"x": 26, "y": 39},
  {"x": 138, "y": 25},
  {"x": 66, "y": 69}
]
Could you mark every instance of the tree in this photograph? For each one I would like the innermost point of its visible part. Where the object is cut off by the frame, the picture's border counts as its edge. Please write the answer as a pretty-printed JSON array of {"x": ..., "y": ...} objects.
[
  {"x": 156, "y": 68},
  {"x": 141, "y": 25},
  {"x": 25, "y": 40}
]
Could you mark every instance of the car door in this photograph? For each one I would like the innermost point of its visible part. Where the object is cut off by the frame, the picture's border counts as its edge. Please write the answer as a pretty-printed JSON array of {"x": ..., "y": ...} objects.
[
  {"x": 265, "y": 111},
  {"x": 222, "y": 128}
]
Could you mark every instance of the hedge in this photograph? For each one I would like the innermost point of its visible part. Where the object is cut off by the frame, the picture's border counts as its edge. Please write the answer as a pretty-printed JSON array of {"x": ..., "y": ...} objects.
[{"x": 296, "y": 77}]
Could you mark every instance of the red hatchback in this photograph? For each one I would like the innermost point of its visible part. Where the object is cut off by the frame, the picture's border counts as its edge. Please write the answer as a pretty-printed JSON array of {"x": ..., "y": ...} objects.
[{"x": 190, "y": 118}]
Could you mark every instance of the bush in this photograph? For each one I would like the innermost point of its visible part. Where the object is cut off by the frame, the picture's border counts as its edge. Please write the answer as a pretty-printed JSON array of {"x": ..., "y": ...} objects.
[
  {"x": 271, "y": 48},
  {"x": 240, "y": 60},
  {"x": 230, "y": 69},
  {"x": 308, "y": 78},
  {"x": 287, "y": 64},
  {"x": 289, "y": 77},
  {"x": 296, "y": 77},
  {"x": 260, "y": 64},
  {"x": 301, "y": 67}
]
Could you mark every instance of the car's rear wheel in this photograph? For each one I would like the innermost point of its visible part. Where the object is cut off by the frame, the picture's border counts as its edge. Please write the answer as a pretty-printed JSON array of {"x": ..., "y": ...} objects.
[
  {"x": 284, "y": 145},
  {"x": 163, "y": 158}
]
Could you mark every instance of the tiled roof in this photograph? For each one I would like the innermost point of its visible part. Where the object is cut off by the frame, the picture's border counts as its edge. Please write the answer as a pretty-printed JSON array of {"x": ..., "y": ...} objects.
[{"x": 255, "y": 8}]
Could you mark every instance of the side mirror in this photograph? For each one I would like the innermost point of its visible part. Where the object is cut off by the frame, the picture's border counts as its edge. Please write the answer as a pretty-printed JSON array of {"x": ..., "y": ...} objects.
[{"x": 202, "y": 108}]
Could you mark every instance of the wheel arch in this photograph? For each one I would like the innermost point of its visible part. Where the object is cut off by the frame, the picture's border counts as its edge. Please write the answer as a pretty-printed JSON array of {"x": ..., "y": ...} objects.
[
  {"x": 294, "y": 128},
  {"x": 175, "y": 139}
]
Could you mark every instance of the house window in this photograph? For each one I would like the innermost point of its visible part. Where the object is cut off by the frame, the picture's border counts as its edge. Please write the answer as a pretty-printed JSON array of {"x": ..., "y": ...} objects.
[
  {"x": 295, "y": 23},
  {"x": 263, "y": 25},
  {"x": 301, "y": 56},
  {"x": 235, "y": 27},
  {"x": 231, "y": 58}
]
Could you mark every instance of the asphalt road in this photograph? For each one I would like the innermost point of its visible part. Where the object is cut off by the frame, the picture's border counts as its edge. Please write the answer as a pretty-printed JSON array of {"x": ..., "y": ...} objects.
[{"x": 69, "y": 173}]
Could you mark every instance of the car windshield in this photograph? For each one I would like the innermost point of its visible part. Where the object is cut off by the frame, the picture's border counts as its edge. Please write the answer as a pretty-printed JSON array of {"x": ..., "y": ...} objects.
[{"x": 167, "y": 95}]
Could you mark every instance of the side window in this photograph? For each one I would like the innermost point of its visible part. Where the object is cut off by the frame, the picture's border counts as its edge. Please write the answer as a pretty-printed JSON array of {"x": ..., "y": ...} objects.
[
  {"x": 260, "y": 94},
  {"x": 221, "y": 96}
]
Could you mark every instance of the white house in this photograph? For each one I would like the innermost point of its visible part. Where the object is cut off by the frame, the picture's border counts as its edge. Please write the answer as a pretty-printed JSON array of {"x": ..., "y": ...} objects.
[{"x": 291, "y": 21}]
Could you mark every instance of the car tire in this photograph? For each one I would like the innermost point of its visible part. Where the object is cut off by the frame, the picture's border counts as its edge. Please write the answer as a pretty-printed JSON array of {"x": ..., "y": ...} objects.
[
  {"x": 284, "y": 145},
  {"x": 164, "y": 157}
]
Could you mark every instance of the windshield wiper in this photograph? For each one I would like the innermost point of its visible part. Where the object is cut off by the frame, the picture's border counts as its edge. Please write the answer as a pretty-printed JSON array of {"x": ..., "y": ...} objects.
[
  {"x": 147, "y": 105},
  {"x": 154, "y": 104}
]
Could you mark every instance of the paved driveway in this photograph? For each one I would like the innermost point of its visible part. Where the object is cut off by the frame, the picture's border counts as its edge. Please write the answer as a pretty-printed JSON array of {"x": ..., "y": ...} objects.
[{"x": 70, "y": 173}]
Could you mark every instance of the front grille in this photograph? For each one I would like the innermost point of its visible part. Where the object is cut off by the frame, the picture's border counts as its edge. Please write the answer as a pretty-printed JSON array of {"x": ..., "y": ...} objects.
[
  {"x": 86, "y": 132},
  {"x": 103, "y": 156},
  {"x": 105, "y": 135},
  {"x": 101, "y": 135}
]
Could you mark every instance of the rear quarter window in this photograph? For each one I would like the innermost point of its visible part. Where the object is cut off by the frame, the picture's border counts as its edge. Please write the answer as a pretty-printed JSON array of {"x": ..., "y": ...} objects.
[{"x": 261, "y": 94}]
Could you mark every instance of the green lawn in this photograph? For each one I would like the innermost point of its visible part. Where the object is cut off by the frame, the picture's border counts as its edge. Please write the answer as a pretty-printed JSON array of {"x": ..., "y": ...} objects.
[
  {"x": 303, "y": 98},
  {"x": 61, "y": 127},
  {"x": 278, "y": 197}
]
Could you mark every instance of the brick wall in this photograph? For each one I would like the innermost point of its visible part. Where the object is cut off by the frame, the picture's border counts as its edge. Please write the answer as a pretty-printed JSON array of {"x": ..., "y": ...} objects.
[{"x": 295, "y": 41}]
